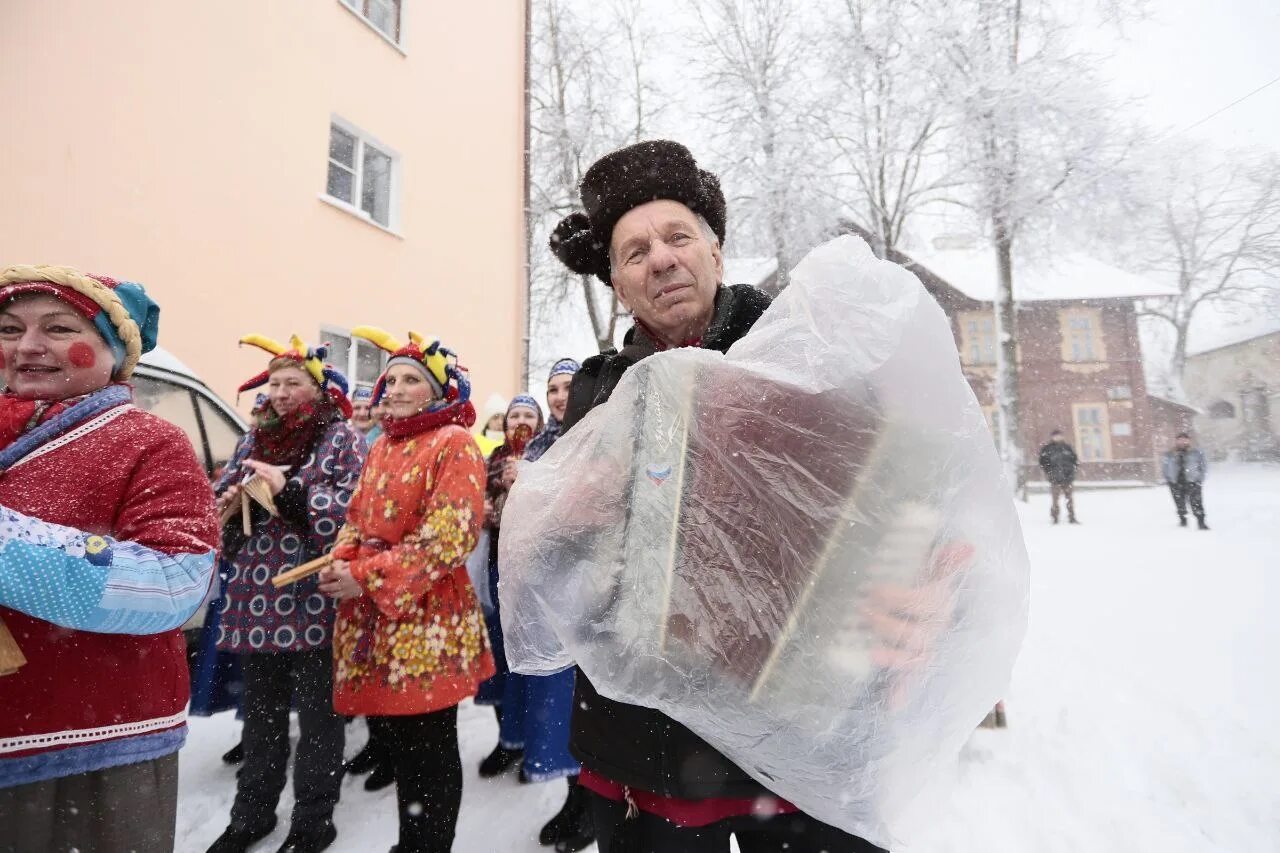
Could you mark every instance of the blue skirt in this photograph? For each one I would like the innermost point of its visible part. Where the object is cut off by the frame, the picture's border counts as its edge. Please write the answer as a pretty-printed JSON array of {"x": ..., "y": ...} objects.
[
  {"x": 216, "y": 682},
  {"x": 492, "y": 689},
  {"x": 535, "y": 717}
]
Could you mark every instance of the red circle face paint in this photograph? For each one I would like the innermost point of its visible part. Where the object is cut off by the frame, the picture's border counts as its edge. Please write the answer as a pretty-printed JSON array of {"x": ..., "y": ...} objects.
[{"x": 81, "y": 354}]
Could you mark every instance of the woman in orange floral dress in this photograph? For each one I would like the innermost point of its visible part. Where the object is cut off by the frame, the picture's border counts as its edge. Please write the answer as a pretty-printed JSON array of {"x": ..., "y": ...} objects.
[{"x": 409, "y": 642}]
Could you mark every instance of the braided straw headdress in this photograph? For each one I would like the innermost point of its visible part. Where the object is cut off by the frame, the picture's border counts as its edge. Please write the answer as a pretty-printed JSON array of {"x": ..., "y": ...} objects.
[{"x": 89, "y": 287}]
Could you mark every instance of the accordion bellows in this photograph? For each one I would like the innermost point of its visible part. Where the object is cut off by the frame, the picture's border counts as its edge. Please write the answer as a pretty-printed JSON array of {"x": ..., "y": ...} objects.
[{"x": 708, "y": 543}]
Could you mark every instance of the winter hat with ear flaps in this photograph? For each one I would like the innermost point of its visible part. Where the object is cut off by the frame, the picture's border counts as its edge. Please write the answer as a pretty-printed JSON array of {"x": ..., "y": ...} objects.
[
  {"x": 625, "y": 179},
  {"x": 121, "y": 311}
]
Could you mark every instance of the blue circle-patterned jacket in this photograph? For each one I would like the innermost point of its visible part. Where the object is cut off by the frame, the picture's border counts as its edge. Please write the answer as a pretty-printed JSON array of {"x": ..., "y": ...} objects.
[{"x": 257, "y": 617}]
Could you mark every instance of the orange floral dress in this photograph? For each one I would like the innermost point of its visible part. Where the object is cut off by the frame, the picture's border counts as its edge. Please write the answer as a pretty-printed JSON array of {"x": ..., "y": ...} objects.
[{"x": 415, "y": 642}]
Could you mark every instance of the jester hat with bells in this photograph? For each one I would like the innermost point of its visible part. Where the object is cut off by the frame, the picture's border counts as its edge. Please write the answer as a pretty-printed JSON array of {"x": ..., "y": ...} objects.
[
  {"x": 439, "y": 364},
  {"x": 331, "y": 382}
]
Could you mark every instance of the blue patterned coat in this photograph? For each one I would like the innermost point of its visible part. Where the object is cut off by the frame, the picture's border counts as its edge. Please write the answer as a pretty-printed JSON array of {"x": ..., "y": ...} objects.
[{"x": 257, "y": 617}]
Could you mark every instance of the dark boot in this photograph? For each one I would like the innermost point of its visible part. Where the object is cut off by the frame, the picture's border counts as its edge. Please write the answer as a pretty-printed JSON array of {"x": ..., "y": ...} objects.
[
  {"x": 558, "y": 827},
  {"x": 1182, "y": 521},
  {"x": 1201, "y": 524},
  {"x": 499, "y": 761},
  {"x": 580, "y": 838},
  {"x": 234, "y": 755},
  {"x": 382, "y": 776},
  {"x": 240, "y": 840},
  {"x": 1072, "y": 520},
  {"x": 365, "y": 760},
  {"x": 309, "y": 841}
]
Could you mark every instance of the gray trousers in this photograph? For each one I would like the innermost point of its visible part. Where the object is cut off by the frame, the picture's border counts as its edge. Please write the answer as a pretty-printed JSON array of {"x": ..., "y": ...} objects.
[
  {"x": 272, "y": 684},
  {"x": 129, "y": 808}
]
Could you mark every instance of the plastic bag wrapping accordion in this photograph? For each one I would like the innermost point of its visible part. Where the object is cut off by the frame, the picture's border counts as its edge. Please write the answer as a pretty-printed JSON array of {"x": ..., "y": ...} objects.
[{"x": 803, "y": 550}]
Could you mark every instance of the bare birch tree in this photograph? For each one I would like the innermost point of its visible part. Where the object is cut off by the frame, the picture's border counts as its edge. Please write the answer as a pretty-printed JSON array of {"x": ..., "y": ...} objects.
[
  {"x": 1035, "y": 123},
  {"x": 590, "y": 92},
  {"x": 754, "y": 53},
  {"x": 887, "y": 112},
  {"x": 1215, "y": 236}
]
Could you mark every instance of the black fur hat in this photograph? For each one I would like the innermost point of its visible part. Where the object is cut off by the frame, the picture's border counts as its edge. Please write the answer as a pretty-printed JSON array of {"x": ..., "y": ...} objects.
[{"x": 628, "y": 178}]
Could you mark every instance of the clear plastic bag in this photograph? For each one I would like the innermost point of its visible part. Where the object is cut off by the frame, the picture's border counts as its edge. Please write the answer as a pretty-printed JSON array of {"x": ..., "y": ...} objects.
[{"x": 803, "y": 550}]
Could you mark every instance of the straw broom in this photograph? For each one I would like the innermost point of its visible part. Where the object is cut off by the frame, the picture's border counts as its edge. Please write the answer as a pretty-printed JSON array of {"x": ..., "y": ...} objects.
[{"x": 253, "y": 488}]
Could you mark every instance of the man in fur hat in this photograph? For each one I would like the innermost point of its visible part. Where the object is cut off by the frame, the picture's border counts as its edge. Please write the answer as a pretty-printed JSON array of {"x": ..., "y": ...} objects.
[{"x": 652, "y": 229}]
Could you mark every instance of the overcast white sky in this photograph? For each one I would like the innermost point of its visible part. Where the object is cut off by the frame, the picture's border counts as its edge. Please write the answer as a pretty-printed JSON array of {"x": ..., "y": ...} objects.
[{"x": 1193, "y": 57}]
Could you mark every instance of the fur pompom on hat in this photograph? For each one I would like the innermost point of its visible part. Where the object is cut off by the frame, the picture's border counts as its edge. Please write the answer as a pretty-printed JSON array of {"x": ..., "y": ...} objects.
[
  {"x": 625, "y": 179},
  {"x": 122, "y": 312}
]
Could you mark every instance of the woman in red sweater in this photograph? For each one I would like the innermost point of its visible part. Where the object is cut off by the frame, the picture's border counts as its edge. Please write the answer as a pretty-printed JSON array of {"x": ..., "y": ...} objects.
[
  {"x": 409, "y": 642},
  {"x": 107, "y": 537}
]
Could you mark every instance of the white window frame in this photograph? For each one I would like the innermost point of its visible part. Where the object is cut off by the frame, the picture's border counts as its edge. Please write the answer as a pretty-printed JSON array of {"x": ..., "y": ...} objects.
[
  {"x": 329, "y": 331},
  {"x": 353, "y": 207},
  {"x": 973, "y": 336},
  {"x": 1104, "y": 431},
  {"x": 398, "y": 42},
  {"x": 1093, "y": 346}
]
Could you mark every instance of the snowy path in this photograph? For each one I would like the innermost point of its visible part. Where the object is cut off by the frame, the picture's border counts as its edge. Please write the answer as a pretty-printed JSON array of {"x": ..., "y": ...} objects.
[{"x": 1142, "y": 708}]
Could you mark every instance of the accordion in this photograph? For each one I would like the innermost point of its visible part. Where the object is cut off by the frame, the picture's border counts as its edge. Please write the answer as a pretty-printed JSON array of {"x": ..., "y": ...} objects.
[{"x": 758, "y": 516}]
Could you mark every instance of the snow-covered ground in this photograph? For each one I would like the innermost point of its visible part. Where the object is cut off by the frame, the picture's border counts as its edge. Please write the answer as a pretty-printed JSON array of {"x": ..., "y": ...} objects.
[{"x": 1142, "y": 709}]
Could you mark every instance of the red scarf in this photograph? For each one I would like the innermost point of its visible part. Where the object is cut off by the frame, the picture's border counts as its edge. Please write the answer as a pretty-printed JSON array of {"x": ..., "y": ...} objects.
[
  {"x": 19, "y": 415},
  {"x": 286, "y": 440},
  {"x": 464, "y": 415}
]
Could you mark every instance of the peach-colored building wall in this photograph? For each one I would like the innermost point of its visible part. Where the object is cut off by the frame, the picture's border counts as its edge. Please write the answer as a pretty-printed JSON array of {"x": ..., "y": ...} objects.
[{"x": 185, "y": 145}]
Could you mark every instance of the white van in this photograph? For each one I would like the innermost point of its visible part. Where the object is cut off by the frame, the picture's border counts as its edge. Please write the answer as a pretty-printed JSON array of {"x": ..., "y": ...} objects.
[{"x": 166, "y": 387}]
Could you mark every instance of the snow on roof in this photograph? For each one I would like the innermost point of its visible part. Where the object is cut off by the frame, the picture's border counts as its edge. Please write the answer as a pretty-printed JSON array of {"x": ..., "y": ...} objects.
[
  {"x": 1171, "y": 400},
  {"x": 1204, "y": 340},
  {"x": 972, "y": 271},
  {"x": 755, "y": 271}
]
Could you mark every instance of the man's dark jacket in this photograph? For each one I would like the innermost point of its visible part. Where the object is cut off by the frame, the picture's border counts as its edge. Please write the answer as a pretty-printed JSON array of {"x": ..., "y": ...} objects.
[
  {"x": 1058, "y": 461},
  {"x": 630, "y": 744}
]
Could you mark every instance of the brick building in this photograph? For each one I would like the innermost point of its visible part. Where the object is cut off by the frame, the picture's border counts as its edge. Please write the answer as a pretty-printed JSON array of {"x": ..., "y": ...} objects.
[{"x": 1080, "y": 359}]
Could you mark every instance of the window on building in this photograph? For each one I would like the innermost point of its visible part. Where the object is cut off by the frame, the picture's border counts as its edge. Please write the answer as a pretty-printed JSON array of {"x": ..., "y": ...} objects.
[
  {"x": 977, "y": 337},
  {"x": 1082, "y": 335},
  {"x": 1222, "y": 410},
  {"x": 1093, "y": 441},
  {"x": 382, "y": 15},
  {"x": 1120, "y": 392},
  {"x": 362, "y": 174},
  {"x": 359, "y": 360}
]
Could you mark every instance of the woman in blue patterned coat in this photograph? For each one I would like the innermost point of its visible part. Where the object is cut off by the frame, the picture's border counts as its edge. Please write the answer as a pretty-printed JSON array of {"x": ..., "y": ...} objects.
[{"x": 310, "y": 458}]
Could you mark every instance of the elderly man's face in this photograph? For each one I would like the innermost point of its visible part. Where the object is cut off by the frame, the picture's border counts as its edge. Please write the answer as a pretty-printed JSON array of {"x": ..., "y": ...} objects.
[{"x": 665, "y": 270}]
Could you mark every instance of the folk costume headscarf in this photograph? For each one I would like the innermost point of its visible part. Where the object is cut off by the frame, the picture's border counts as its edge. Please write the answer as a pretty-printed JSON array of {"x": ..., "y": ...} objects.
[
  {"x": 542, "y": 441},
  {"x": 439, "y": 365},
  {"x": 126, "y": 318},
  {"x": 287, "y": 439}
]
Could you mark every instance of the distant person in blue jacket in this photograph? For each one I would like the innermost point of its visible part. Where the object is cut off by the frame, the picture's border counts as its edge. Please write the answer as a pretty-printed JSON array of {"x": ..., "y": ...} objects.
[{"x": 1184, "y": 470}]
